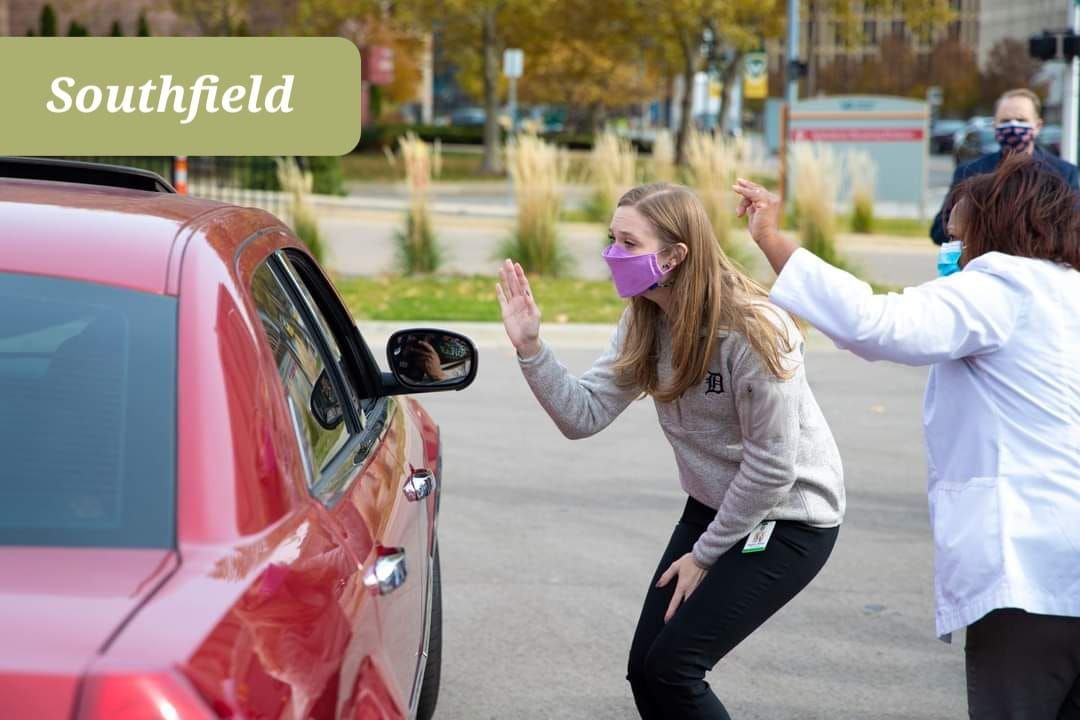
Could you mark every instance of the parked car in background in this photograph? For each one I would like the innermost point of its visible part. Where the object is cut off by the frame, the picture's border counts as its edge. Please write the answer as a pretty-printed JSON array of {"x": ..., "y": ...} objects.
[
  {"x": 1050, "y": 139},
  {"x": 976, "y": 140},
  {"x": 943, "y": 135},
  {"x": 214, "y": 503},
  {"x": 468, "y": 117}
]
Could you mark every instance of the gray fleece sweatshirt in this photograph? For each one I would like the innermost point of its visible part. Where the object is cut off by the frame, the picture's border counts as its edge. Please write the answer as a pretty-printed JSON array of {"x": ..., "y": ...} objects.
[{"x": 752, "y": 446}]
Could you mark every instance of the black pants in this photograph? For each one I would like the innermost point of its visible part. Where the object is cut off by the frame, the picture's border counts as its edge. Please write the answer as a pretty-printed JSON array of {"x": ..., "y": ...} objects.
[
  {"x": 668, "y": 661},
  {"x": 1022, "y": 666}
]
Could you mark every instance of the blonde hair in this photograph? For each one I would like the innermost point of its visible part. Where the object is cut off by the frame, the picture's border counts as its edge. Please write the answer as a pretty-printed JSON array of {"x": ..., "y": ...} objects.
[
  {"x": 709, "y": 295},
  {"x": 1036, "y": 101}
]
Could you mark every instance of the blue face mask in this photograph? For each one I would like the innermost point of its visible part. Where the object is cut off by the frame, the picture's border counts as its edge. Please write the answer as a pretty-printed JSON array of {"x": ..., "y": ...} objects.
[{"x": 948, "y": 261}]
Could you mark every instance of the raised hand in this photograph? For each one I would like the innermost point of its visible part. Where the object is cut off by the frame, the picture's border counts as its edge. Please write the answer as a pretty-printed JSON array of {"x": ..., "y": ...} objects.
[
  {"x": 520, "y": 315},
  {"x": 763, "y": 210}
]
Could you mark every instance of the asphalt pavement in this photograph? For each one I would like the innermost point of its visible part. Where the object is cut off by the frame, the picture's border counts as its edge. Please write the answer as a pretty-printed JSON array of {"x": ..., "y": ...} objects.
[{"x": 547, "y": 545}]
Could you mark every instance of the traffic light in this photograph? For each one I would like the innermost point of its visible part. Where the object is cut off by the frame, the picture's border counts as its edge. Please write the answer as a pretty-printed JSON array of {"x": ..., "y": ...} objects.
[
  {"x": 1043, "y": 47},
  {"x": 1070, "y": 45},
  {"x": 797, "y": 68}
]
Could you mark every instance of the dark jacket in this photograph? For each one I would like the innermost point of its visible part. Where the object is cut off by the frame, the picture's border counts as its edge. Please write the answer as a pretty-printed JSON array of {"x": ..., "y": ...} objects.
[{"x": 989, "y": 163}]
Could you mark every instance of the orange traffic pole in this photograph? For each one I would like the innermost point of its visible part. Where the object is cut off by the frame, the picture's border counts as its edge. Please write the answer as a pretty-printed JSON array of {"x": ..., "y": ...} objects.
[{"x": 180, "y": 173}]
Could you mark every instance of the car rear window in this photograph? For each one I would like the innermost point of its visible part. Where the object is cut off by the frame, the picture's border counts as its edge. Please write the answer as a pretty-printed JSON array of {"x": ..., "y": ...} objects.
[{"x": 88, "y": 415}]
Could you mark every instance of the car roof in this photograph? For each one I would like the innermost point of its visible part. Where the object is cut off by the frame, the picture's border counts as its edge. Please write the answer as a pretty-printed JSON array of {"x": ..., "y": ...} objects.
[{"x": 107, "y": 235}]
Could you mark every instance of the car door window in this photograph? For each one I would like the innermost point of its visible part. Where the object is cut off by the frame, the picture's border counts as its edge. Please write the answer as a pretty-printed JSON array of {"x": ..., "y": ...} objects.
[
  {"x": 311, "y": 382},
  {"x": 327, "y": 332},
  {"x": 334, "y": 321}
]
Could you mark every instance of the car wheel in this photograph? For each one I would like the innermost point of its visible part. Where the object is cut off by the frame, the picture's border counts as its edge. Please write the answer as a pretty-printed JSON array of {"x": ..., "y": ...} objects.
[{"x": 429, "y": 692}]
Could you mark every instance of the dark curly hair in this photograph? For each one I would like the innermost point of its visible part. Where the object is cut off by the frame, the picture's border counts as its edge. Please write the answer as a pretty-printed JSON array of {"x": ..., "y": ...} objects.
[{"x": 1024, "y": 208}]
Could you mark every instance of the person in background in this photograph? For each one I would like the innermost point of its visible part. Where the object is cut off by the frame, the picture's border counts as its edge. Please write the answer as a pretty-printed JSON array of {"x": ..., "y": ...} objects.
[
  {"x": 1001, "y": 419},
  {"x": 1017, "y": 122}
]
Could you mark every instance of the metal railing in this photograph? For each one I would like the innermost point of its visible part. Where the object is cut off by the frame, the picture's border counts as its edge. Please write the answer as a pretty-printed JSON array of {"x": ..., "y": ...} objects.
[{"x": 242, "y": 180}]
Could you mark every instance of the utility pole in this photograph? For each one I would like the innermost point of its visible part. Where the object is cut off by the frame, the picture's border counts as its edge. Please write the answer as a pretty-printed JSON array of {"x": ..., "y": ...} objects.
[
  {"x": 791, "y": 73},
  {"x": 513, "y": 65}
]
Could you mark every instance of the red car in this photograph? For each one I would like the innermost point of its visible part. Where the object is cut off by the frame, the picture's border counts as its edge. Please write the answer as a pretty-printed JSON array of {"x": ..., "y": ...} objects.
[{"x": 213, "y": 503}]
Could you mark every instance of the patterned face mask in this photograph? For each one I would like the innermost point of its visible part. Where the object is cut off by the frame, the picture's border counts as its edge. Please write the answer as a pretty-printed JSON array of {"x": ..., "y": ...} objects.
[{"x": 1014, "y": 135}]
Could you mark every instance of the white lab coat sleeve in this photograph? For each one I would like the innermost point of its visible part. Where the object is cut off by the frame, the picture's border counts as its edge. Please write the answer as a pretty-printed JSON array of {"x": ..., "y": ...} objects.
[{"x": 971, "y": 312}]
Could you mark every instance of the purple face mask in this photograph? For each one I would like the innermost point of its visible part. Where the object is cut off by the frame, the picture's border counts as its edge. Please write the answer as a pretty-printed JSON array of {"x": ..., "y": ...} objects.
[
  {"x": 1014, "y": 135},
  {"x": 632, "y": 274}
]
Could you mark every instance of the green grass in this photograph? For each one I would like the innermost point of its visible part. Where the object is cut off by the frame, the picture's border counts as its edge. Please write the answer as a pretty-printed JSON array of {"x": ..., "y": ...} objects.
[
  {"x": 907, "y": 227},
  {"x": 900, "y": 227},
  {"x": 371, "y": 167},
  {"x": 472, "y": 299},
  {"x": 456, "y": 167}
]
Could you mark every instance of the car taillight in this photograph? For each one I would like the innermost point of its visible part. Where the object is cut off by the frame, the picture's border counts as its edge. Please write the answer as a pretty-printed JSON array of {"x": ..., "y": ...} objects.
[{"x": 153, "y": 696}]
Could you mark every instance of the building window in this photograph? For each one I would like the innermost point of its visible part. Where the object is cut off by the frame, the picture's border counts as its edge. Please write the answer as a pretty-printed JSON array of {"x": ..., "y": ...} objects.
[
  {"x": 898, "y": 28},
  {"x": 954, "y": 30},
  {"x": 869, "y": 28}
]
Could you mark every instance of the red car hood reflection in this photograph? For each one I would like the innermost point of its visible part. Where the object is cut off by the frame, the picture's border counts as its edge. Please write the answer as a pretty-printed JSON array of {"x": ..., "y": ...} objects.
[{"x": 58, "y": 608}]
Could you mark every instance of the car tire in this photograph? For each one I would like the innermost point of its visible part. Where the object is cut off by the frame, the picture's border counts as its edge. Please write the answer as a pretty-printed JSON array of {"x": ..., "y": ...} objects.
[{"x": 429, "y": 692}]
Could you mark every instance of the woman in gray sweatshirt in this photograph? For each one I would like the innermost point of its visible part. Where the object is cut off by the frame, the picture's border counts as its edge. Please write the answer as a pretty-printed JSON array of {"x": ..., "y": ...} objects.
[{"x": 758, "y": 462}]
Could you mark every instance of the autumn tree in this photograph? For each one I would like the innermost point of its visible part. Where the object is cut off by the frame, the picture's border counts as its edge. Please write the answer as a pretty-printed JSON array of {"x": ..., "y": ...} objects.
[
  {"x": 214, "y": 17},
  {"x": 592, "y": 57},
  {"x": 955, "y": 69},
  {"x": 475, "y": 33},
  {"x": 1008, "y": 66}
]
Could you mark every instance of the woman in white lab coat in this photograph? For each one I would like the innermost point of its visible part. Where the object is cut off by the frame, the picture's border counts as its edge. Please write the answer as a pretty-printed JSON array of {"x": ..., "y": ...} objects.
[{"x": 1001, "y": 418}]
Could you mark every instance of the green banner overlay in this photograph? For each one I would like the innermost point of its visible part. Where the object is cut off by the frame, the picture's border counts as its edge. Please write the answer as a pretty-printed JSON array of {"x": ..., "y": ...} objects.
[{"x": 179, "y": 96}]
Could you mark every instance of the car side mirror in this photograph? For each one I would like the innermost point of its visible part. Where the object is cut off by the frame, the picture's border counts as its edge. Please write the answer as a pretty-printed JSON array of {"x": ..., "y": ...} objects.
[{"x": 424, "y": 360}]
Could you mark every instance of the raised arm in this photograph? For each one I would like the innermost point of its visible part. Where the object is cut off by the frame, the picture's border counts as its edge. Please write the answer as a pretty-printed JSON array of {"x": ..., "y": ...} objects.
[
  {"x": 581, "y": 406},
  {"x": 968, "y": 313}
]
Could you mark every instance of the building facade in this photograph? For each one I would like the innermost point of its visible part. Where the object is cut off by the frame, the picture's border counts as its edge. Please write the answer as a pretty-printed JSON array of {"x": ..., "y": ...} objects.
[{"x": 825, "y": 37}]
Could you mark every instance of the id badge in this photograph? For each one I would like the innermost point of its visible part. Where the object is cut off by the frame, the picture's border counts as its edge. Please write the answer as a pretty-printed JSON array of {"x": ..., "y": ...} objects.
[{"x": 759, "y": 537}]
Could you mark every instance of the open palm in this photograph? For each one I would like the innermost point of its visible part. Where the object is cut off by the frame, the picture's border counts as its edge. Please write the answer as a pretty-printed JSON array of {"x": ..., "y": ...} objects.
[{"x": 520, "y": 315}]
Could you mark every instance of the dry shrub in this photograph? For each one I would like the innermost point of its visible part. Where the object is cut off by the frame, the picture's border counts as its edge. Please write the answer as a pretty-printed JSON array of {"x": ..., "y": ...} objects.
[
  {"x": 298, "y": 184},
  {"x": 538, "y": 170},
  {"x": 663, "y": 156},
  {"x": 418, "y": 250},
  {"x": 713, "y": 163},
  {"x": 612, "y": 171},
  {"x": 862, "y": 172},
  {"x": 816, "y": 185}
]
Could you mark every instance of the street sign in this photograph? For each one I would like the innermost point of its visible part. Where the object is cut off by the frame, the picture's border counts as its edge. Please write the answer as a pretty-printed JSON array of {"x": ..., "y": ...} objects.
[
  {"x": 756, "y": 75},
  {"x": 892, "y": 130},
  {"x": 377, "y": 66},
  {"x": 513, "y": 62},
  {"x": 935, "y": 96}
]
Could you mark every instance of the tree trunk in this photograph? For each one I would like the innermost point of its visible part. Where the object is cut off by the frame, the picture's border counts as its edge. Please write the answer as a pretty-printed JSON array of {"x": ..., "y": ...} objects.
[
  {"x": 687, "y": 106},
  {"x": 732, "y": 75},
  {"x": 685, "y": 112},
  {"x": 490, "y": 164},
  {"x": 668, "y": 99}
]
